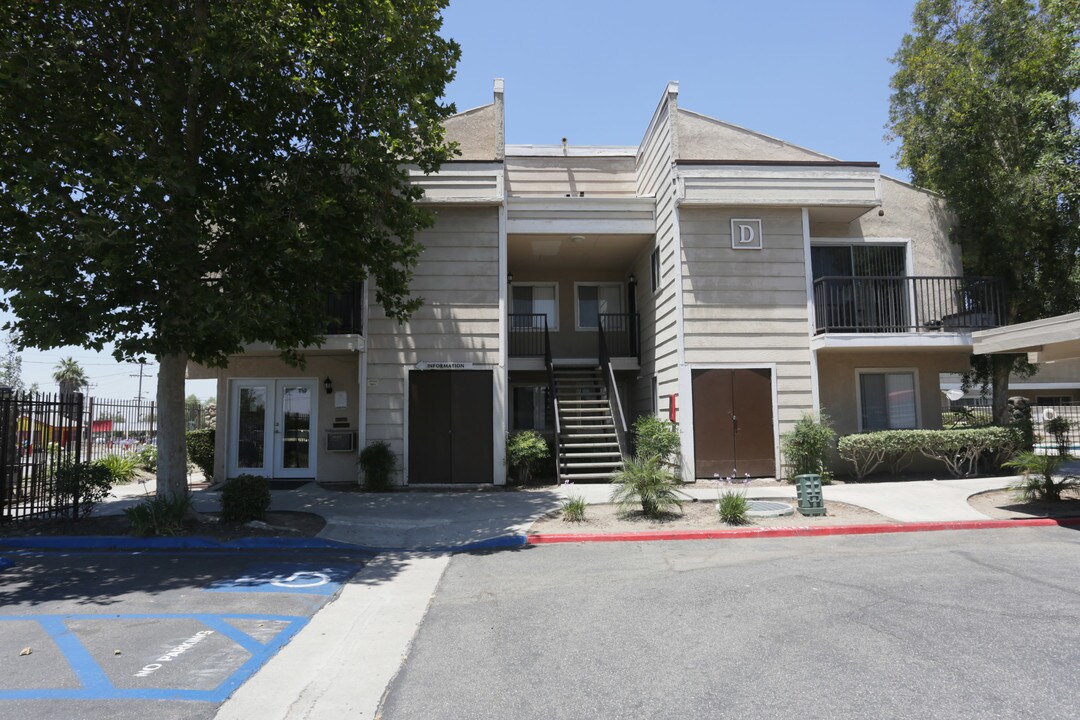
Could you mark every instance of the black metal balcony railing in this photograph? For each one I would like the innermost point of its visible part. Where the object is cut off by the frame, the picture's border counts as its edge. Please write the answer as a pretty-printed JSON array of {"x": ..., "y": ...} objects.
[
  {"x": 620, "y": 333},
  {"x": 528, "y": 333},
  {"x": 886, "y": 304},
  {"x": 346, "y": 310}
]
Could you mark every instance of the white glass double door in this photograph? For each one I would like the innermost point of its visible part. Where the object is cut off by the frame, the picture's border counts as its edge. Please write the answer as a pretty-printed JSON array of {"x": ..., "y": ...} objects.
[{"x": 272, "y": 427}]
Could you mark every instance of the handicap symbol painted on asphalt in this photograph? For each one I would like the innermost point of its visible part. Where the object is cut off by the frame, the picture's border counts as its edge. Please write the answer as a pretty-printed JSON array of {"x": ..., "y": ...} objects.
[
  {"x": 305, "y": 579},
  {"x": 282, "y": 578}
]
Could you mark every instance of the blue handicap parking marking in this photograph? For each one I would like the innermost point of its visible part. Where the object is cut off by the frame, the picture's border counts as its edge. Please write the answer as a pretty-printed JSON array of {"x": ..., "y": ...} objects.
[
  {"x": 309, "y": 579},
  {"x": 145, "y": 682}
]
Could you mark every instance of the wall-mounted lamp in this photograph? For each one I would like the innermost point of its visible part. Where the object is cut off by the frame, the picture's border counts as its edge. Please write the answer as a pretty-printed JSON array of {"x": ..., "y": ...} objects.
[
  {"x": 509, "y": 278},
  {"x": 633, "y": 279},
  {"x": 328, "y": 385}
]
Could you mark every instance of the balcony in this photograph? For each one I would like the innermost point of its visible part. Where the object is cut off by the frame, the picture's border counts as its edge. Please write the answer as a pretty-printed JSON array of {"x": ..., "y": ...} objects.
[
  {"x": 528, "y": 336},
  {"x": 346, "y": 311},
  {"x": 898, "y": 304}
]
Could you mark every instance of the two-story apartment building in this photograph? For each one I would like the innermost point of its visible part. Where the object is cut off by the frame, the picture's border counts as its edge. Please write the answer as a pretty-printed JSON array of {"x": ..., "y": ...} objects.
[{"x": 710, "y": 274}]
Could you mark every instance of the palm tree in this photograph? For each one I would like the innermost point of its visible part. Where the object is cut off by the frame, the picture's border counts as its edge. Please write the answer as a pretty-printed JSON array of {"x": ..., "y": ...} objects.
[{"x": 70, "y": 376}]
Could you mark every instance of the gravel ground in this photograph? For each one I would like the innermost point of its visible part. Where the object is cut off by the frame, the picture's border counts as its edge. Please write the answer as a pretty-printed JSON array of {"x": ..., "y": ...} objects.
[
  {"x": 701, "y": 515},
  {"x": 1004, "y": 505}
]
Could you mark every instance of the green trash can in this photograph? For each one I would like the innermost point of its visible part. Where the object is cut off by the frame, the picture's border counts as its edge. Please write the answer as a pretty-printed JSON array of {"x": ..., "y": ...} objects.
[{"x": 810, "y": 500}]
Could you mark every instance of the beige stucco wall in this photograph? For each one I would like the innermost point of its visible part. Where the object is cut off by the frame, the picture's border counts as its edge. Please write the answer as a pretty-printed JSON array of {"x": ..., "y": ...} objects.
[
  {"x": 906, "y": 212},
  {"x": 705, "y": 138},
  {"x": 341, "y": 368},
  {"x": 837, "y": 381},
  {"x": 478, "y": 132}
]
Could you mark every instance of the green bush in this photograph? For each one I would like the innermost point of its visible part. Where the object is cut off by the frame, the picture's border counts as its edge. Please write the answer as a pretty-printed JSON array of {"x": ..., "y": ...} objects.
[
  {"x": 732, "y": 507},
  {"x": 573, "y": 509},
  {"x": 806, "y": 447},
  {"x": 200, "y": 450},
  {"x": 378, "y": 462},
  {"x": 646, "y": 483},
  {"x": 90, "y": 481},
  {"x": 1038, "y": 481},
  {"x": 245, "y": 498},
  {"x": 146, "y": 458},
  {"x": 159, "y": 515},
  {"x": 654, "y": 437},
  {"x": 121, "y": 467},
  {"x": 525, "y": 452},
  {"x": 960, "y": 450},
  {"x": 1059, "y": 428}
]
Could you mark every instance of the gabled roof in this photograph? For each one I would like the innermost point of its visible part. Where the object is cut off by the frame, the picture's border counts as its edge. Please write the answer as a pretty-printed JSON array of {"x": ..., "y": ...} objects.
[{"x": 705, "y": 138}]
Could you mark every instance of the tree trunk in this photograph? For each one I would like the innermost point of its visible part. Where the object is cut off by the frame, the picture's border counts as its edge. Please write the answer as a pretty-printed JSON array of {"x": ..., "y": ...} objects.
[
  {"x": 1000, "y": 368},
  {"x": 172, "y": 452}
]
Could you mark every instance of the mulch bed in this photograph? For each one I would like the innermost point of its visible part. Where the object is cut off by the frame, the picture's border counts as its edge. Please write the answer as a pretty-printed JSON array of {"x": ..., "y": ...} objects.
[{"x": 286, "y": 523}]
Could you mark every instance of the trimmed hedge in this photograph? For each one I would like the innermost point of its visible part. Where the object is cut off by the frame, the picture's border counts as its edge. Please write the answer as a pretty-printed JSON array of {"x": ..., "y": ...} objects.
[
  {"x": 245, "y": 498},
  {"x": 960, "y": 449},
  {"x": 200, "y": 450}
]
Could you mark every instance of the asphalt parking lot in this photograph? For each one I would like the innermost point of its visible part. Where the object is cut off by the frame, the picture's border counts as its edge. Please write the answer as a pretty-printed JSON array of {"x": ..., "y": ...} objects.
[{"x": 133, "y": 635}]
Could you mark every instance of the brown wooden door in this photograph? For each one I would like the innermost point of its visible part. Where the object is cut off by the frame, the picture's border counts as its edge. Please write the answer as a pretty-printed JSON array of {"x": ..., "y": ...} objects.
[
  {"x": 450, "y": 427},
  {"x": 733, "y": 423}
]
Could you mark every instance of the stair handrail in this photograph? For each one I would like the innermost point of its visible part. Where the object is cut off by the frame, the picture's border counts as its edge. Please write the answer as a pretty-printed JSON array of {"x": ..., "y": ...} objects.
[
  {"x": 553, "y": 394},
  {"x": 612, "y": 389}
]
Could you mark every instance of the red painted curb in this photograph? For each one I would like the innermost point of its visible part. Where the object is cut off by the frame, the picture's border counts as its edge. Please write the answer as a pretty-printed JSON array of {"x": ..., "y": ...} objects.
[{"x": 798, "y": 531}]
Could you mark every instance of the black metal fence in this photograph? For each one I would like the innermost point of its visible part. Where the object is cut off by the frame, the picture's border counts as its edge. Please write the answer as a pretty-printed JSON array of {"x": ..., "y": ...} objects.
[
  {"x": 961, "y": 415},
  {"x": 621, "y": 331},
  {"x": 528, "y": 334},
  {"x": 884, "y": 304},
  {"x": 39, "y": 433}
]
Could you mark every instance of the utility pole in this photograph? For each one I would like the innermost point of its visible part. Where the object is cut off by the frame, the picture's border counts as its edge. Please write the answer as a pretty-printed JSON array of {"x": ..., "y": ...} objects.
[{"x": 142, "y": 369}]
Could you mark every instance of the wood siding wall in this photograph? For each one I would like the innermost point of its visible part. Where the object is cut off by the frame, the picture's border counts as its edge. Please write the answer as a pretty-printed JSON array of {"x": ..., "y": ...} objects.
[
  {"x": 559, "y": 176},
  {"x": 748, "y": 306},
  {"x": 659, "y": 312},
  {"x": 458, "y": 278}
]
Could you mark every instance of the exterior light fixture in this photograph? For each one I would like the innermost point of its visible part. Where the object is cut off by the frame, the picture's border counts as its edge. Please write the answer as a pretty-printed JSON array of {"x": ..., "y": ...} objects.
[
  {"x": 509, "y": 278},
  {"x": 328, "y": 385},
  {"x": 633, "y": 279}
]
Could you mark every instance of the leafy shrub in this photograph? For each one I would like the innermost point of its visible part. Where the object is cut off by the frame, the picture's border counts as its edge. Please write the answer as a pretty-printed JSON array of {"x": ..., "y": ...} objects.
[
  {"x": 159, "y": 515},
  {"x": 732, "y": 507},
  {"x": 806, "y": 447},
  {"x": 200, "y": 450},
  {"x": 90, "y": 481},
  {"x": 960, "y": 450},
  {"x": 654, "y": 437},
  {"x": 525, "y": 452},
  {"x": 378, "y": 462},
  {"x": 146, "y": 458},
  {"x": 645, "y": 482},
  {"x": 573, "y": 509},
  {"x": 1038, "y": 481},
  {"x": 121, "y": 467},
  {"x": 1059, "y": 427},
  {"x": 245, "y": 498}
]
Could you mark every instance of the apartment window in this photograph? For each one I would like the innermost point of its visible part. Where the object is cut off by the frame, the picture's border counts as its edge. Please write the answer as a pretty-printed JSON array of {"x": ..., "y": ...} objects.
[
  {"x": 655, "y": 269},
  {"x": 535, "y": 299},
  {"x": 887, "y": 400},
  {"x": 1053, "y": 400},
  {"x": 531, "y": 411},
  {"x": 594, "y": 300}
]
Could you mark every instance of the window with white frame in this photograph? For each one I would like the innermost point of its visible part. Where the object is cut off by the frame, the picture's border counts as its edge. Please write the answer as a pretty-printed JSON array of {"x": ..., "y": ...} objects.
[
  {"x": 887, "y": 400},
  {"x": 595, "y": 299},
  {"x": 535, "y": 299}
]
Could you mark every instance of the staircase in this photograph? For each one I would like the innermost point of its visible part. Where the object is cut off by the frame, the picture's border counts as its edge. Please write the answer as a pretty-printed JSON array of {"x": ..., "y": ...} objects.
[{"x": 588, "y": 443}]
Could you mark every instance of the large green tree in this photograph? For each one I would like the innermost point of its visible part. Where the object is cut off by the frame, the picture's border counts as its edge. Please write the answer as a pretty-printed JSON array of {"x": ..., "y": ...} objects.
[
  {"x": 182, "y": 177},
  {"x": 70, "y": 376},
  {"x": 984, "y": 104},
  {"x": 11, "y": 364}
]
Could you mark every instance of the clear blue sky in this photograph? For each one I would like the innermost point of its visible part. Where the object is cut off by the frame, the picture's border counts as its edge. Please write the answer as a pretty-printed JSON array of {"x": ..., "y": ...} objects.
[{"x": 812, "y": 72}]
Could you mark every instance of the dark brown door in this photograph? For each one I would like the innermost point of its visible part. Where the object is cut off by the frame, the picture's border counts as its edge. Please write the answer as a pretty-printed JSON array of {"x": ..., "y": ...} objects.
[
  {"x": 450, "y": 427},
  {"x": 733, "y": 423}
]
